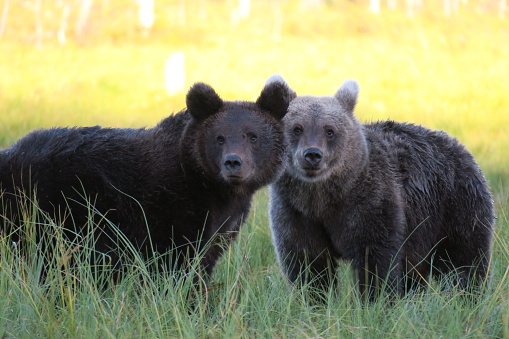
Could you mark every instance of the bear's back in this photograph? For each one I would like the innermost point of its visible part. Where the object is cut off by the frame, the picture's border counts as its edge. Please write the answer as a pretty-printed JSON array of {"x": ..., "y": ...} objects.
[
  {"x": 101, "y": 152},
  {"x": 432, "y": 167},
  {"x": 415, "y": 149},
  {"x": 64, "y": 155},
  {"x": 420, "y": 153},
  {"x": 93, "y": 162}
]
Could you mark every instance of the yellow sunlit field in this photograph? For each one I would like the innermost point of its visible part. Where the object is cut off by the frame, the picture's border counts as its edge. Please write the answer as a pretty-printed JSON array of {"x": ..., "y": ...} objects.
[
  {"x": 444, "y": 71},
  {"x": 448, "y": 73}
]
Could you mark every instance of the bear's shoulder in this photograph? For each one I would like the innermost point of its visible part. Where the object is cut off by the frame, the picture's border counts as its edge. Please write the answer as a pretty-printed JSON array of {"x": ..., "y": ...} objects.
[
  {"x": 175, "y": 123},
  {"x": 406, "y": 132}
]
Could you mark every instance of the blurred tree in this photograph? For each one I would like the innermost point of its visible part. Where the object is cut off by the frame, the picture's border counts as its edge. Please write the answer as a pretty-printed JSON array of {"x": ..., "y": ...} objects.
[
  {"x": 412, "y": 6},
  {"x": 82, "y": 20},
  {"x": 62, "y": 30},
  {"x": 174, "y": 73},
  {"x": 311, "y": 3},
  {"x": 65, "y": 20},
  {"x": 502, "y": 8},
  {"x": 202, "y": 13},
  {"x": 391, "y": 5},
  {"x": 146, "y": 15},
  {"x": 3, "y": 19},
  {"x": 182, "y": 12},
  {"x": 451, "y": 7},
  {"x": 240, "y": 12},
  {"x": 374, "y": 6},
  {"x": 278, "y": 20},
  {"x": 244, "y": 8}
]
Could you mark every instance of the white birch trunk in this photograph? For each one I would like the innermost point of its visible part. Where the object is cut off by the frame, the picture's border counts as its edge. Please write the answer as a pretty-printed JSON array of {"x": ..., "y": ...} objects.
[
  {"x": 64, "y": 21},
  {"x": 175, "y": 73},
  {"x": 82, "y": 20},
  {"x": 146, "y": 14},
  {"x": 278, "y": 20},
  {"x": 502, "y": 8},
  {"x": 3, "y": 20},
  {"x": 374, "y": 6},
  {"x": 202, "y": 12},
  {"x": 244, "y": 9}
]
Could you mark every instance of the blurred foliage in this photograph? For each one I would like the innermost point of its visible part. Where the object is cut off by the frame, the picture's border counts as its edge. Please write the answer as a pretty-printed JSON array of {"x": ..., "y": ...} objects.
[{"x": 415, "y": 63}]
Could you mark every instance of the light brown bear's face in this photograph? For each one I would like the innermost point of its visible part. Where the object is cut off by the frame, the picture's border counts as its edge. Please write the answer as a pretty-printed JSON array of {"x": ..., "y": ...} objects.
[{"x": 321, "y": 132}]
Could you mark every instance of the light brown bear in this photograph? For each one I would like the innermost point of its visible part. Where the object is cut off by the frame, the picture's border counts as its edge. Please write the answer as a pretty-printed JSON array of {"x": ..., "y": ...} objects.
[{"x": 398, "y": 201}]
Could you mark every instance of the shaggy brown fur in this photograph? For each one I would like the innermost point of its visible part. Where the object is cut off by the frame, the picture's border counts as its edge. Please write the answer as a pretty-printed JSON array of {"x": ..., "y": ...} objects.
[
  {"x": 397, "y": 200},
  {"x": 182, "y": 183}
]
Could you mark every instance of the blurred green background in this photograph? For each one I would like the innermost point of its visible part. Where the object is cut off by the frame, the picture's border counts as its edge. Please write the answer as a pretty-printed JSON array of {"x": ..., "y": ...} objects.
[{"x": 443, "y": 64}]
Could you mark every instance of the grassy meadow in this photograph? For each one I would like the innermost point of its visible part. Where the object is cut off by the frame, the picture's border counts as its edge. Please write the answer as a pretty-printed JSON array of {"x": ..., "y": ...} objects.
[{"x": 445, "y": 72}]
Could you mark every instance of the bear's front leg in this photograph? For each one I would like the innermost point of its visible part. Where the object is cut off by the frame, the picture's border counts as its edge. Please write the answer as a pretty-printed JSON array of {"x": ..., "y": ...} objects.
[
  {"x": 220, "y": 235},
  {"x": 303, "y": 248},
  {"x": 377, "y": 268}
]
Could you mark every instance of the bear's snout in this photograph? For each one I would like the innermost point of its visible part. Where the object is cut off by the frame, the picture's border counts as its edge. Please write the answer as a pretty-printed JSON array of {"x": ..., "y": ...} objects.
[
  {"x": 233, "y": 163},
  {"x": 313, "y": 156}
]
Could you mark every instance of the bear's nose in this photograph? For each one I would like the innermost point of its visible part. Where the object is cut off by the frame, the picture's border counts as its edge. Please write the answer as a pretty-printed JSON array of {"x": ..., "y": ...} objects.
[
  {"x": 313, "y": 156},
  {"x": 233, "y": 163}
]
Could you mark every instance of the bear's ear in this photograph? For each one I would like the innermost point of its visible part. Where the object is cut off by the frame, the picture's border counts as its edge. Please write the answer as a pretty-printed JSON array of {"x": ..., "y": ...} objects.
[
  {"x": 276, "y": 96},
  {"x": 202, "y": 101},
  {"x": 347, "y": 94}
]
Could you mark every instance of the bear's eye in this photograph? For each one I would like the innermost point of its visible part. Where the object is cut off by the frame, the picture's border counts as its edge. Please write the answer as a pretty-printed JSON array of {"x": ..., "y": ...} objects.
[
  {"x": 329, "y": 133},
  {"x": 297, "y": 131},
  {"x": 220, "y": 140},
  {"x": 253, "y": 138}
]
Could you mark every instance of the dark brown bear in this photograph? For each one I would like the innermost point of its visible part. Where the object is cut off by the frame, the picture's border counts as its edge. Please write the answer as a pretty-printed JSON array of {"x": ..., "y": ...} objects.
[
  {"x": 189, "y": 179},
  {"x": 397, "y": 200}
]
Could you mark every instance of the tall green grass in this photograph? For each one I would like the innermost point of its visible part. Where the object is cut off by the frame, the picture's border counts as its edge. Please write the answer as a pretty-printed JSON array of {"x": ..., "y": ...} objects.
[
  {"x": 246, "y": 297},
  {"x": 445, "y": 73}
]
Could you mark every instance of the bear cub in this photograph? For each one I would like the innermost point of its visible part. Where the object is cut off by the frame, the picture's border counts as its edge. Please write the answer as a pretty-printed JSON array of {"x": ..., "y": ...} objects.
[
  {"x": 185, "y": 182},
  {"x": 396, "y": 200}
]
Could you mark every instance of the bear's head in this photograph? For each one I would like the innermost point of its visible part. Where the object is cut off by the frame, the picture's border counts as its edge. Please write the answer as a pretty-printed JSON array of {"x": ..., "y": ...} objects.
[
  {"x": 238, "y": 142},
  {"x": 324, "y": 136}
]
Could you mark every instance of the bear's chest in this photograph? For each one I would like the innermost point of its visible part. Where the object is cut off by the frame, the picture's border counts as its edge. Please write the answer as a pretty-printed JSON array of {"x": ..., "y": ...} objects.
[{"x": 318, "y": 204}]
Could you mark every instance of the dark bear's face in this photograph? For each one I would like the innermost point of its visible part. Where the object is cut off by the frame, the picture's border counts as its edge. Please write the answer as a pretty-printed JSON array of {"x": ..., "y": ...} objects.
[
  {"x": 239, "y": 143},
  {"x": 322, "y": 133}
]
